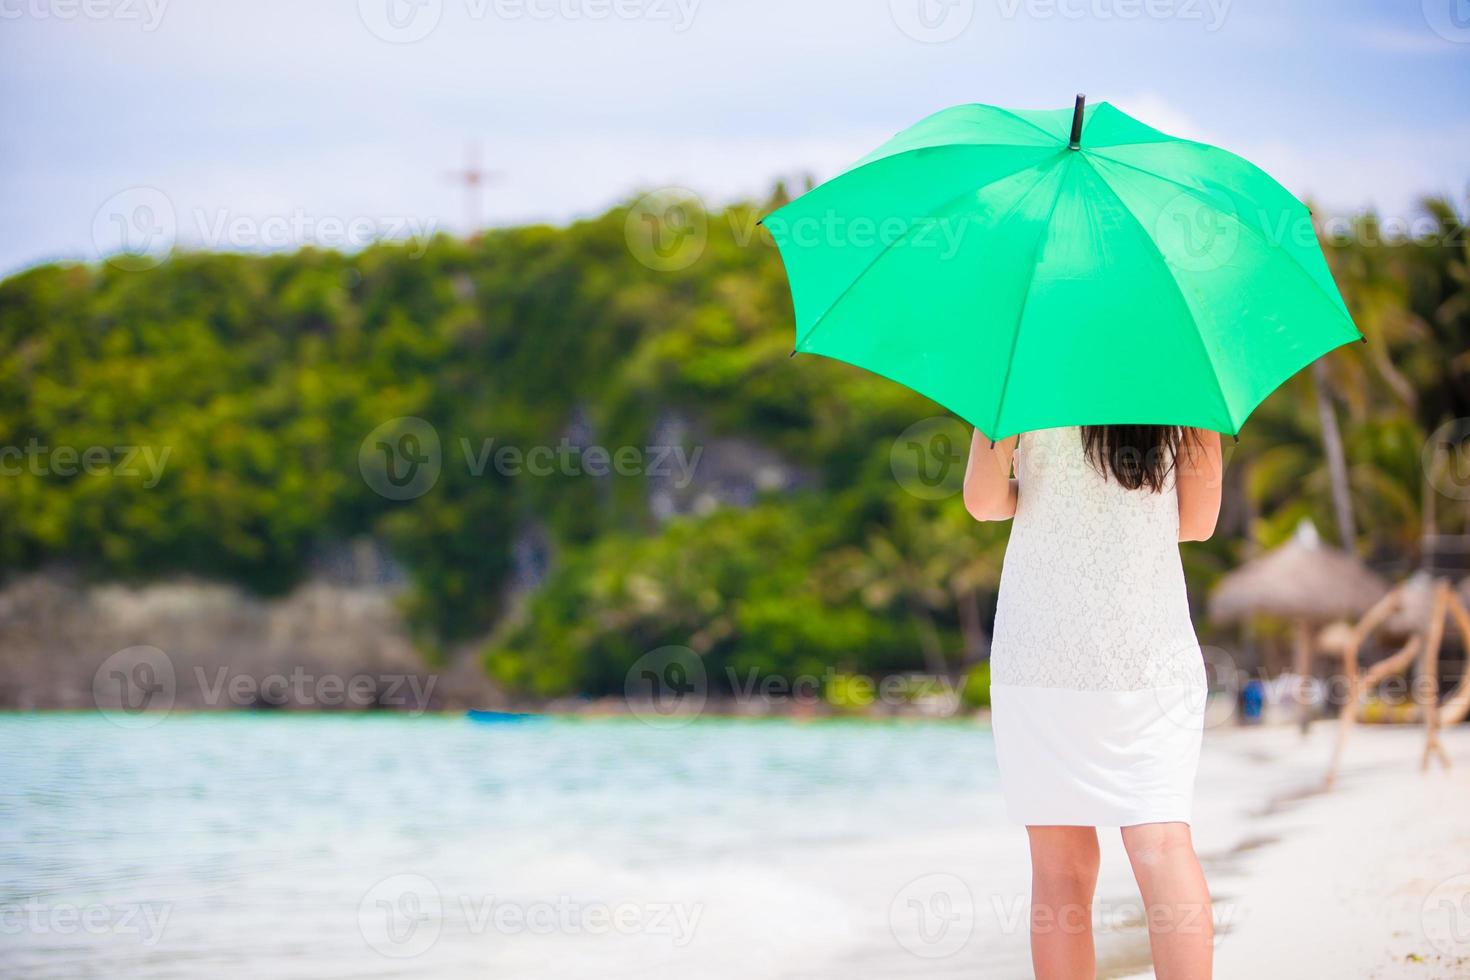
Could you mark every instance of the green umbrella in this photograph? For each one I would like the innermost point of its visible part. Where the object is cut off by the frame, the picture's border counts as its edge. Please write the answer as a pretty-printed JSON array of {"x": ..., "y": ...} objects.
[{"x": 1026, "y": 276}]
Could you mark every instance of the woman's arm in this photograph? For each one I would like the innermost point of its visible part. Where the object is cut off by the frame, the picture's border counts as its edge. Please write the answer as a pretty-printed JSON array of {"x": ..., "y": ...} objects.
[
  {"x": 1199, "y": 478},
  {"x": 990, "y": 493}
]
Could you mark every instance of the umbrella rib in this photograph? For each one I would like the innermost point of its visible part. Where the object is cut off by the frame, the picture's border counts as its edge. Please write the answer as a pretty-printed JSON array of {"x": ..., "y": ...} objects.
[
  {"x": 1194, "y": 193},
  {"x": 944, "y": 205},
  {"x": 1178, "y": 288},
  {"x": 1020, "y": 119},
  {"x": 870, "y": 161},
  {"x": 1005, "y": 377}
]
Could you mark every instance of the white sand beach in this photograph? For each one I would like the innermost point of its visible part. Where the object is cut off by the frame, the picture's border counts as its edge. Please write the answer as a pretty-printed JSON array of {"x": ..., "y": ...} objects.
[{"x": 1370, "y": 880}]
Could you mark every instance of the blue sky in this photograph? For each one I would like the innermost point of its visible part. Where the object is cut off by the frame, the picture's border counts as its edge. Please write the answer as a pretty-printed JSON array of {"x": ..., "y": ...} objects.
[{"x": 271, "y": 123}]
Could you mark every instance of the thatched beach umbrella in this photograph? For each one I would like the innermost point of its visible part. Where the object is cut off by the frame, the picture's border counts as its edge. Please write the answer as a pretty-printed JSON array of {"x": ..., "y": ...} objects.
[{"x": 1304, "y": 581}]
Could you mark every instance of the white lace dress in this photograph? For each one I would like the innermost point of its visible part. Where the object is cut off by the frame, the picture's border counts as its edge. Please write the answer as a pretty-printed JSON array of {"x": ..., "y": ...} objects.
[{"x": 1097, "y": 680}]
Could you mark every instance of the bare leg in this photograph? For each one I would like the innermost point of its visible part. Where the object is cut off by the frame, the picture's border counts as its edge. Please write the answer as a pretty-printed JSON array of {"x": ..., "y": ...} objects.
[
  {"x": 1063, "y": 877},
  {"x": 1181, "y": 928}
]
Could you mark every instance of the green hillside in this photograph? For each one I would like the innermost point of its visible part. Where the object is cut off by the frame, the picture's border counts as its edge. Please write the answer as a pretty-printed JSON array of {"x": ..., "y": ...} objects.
[{"x": 208, "y": 416}]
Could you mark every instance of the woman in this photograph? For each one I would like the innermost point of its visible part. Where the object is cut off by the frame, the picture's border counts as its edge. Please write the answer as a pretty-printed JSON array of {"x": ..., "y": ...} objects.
[{"x": 1097, "y": 680}]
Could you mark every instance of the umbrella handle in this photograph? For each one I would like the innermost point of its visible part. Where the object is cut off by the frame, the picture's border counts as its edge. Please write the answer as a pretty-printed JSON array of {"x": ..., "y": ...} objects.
[{"x": 1076, "y": 143}]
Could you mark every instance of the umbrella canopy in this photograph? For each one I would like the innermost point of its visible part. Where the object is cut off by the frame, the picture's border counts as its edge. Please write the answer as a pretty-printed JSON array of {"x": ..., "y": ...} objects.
[
  {"x": 1038, "y": 268},
  {"x": 1302, "y": 579}
]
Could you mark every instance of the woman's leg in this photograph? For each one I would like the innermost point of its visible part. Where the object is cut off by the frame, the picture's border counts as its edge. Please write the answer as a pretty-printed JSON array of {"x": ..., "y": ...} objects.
[
  {"x": 1063, "y": 877},
  {"x": 1181, "y": 928}
]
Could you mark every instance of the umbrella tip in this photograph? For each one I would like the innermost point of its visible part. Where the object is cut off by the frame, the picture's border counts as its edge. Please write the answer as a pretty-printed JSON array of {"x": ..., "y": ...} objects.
[
  {"x": 1076, "y": 141},
  {"x": 793, "y": 353}
]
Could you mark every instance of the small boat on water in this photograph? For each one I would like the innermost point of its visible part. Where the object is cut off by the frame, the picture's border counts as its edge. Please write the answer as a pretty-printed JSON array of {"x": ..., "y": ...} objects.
[{"x": 488, "y": 717}]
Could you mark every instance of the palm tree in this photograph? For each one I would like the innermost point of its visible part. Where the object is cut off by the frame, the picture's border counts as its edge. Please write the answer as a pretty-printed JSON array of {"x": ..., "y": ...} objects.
[{"x": 1342, "y": 500}]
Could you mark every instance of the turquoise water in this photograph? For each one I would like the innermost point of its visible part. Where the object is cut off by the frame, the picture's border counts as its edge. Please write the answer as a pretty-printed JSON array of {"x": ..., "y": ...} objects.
[{"x": 380, "y": 845}]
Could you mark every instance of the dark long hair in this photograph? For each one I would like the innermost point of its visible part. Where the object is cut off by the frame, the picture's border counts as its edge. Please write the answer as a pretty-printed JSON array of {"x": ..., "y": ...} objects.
[{"x": 1137, "y": 456}]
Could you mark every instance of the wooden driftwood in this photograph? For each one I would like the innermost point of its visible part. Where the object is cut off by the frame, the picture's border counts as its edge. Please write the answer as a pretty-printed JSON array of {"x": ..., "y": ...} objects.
[
  {"x": 1303, "y": 646},
  {"x": 1422, "y": 646},
  {"x": 1426, "y": 686},
  {"x": 1457, "y": 705},
  {"x": 1348, "y": 716}
]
